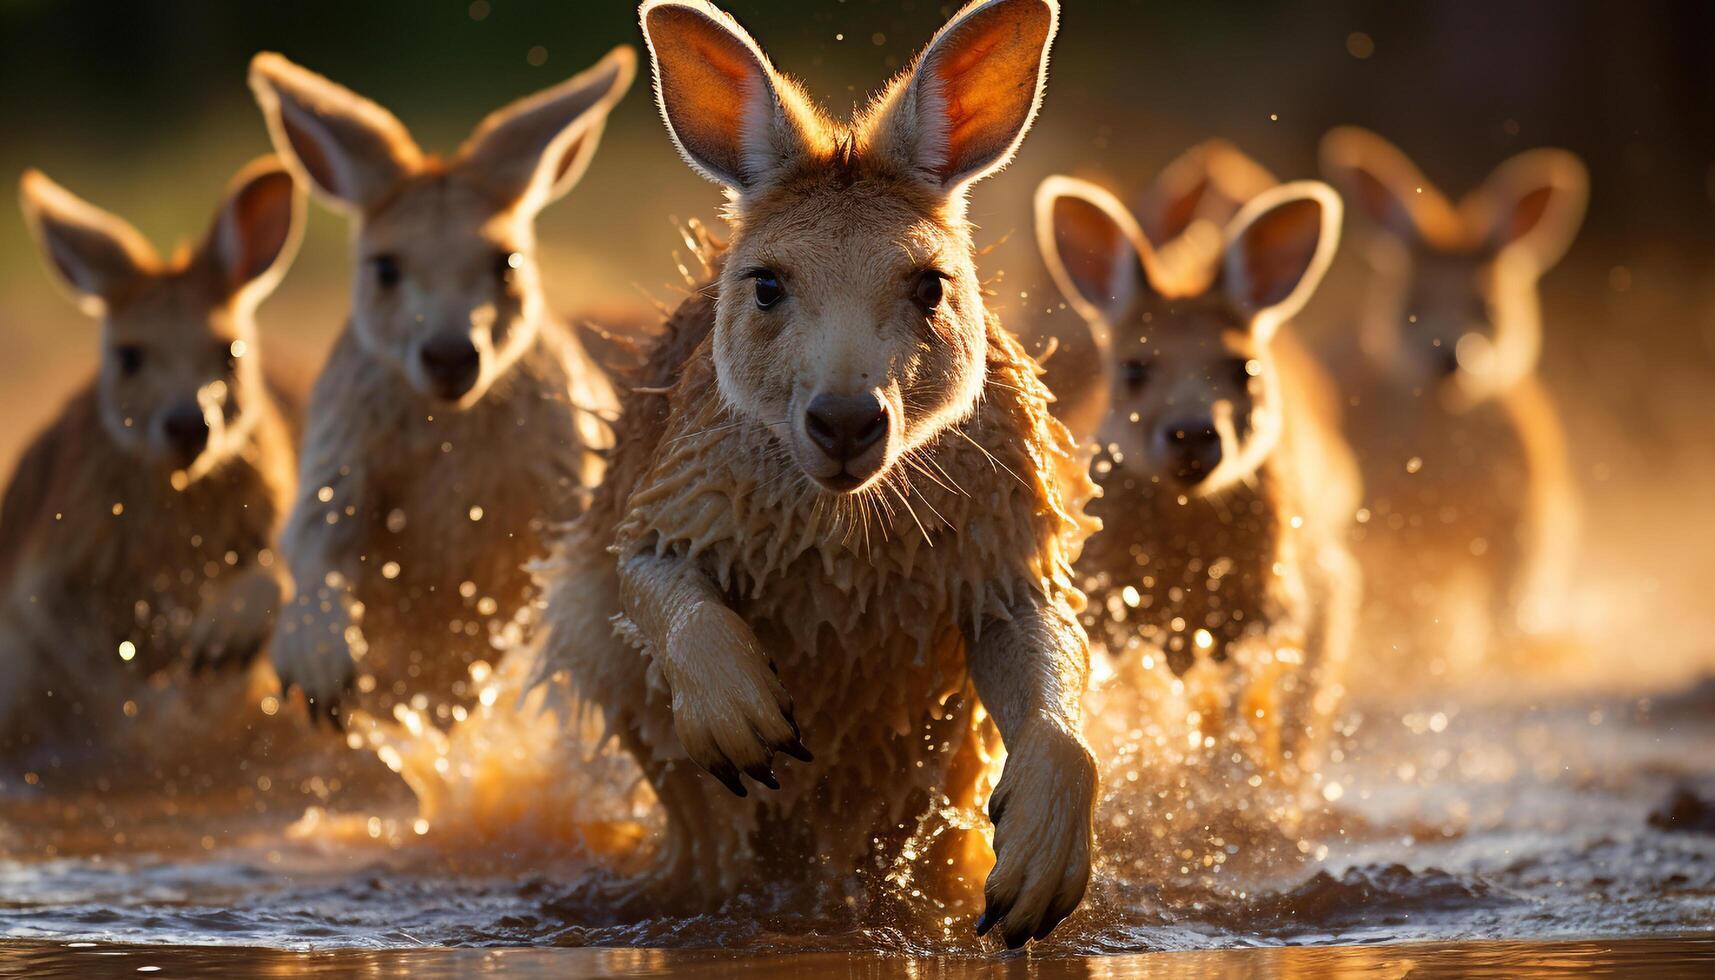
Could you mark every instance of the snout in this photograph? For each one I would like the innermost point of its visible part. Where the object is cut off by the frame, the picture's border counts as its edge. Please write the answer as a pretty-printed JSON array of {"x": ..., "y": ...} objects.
[
  {"x": 850, "y": 434},
  {"x": 184, "y": 430},
  {"x": 1444, "y": 360},
  {"x": 1192, "y": 448},
  {"x": 451, "y": 363}
]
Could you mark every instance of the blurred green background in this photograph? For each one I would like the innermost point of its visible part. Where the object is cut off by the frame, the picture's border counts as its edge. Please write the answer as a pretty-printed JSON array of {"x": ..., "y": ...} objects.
[{"x": 142, "y": 108}]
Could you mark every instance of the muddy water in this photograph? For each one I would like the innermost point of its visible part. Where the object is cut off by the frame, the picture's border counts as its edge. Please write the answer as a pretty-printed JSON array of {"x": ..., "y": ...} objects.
[
  {"x": 1441, "y": 818},
  {"x": 1687, "y": 957}
]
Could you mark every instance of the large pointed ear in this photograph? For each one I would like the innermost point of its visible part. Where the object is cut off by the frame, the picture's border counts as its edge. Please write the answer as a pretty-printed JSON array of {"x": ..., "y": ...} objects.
[
  {"x": 1531, "y": 205},
  {"x": 256, "y": 230},
  {"x": 536, "y": 149},
  {"x": 347, "y": 149},
  {"x": 1384, "y": 185},
  {"x": 95, "y": 255},
  {"x": 733, "y": 118},
  {"x": 965, "y": 106},
  {"x": 1092, "y": 246},
  {"x": 1210, "y": 181},
  {"x": 1278, "y": 247}
]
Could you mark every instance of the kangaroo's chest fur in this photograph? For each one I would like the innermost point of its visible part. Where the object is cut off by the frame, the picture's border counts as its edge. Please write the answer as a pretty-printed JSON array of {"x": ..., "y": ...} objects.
[
  {"x": 1444, "y": 488},
  {"x": 865, "y": 603},
  {"x": 111, "y": 551},
  {"x": 1168, "y": 565},
  {"x": 457, "y": 503}
]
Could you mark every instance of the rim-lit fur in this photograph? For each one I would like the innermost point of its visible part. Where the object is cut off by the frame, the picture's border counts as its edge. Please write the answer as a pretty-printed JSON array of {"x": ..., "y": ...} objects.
[
  {"x": 1470, "y": 494},
  {"x": 887, "y": 590},
  {"x": 1227, "y": 491},
  {"x": 455, "y": 417},
  {"x": 1453, "y": 299},
  {"x": 144, "y": 513}
]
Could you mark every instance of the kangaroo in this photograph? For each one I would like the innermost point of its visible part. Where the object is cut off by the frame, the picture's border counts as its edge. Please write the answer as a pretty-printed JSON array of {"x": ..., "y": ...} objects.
[
  {"x": 1473, "y": 517},
  {"x": 456, "y": 420},
  {"x": 1205, "y": 184},
  {"x": 838, "y": 498},
  {"x": 135, "y": 532},
  {"x": 1227, "y": 491}
]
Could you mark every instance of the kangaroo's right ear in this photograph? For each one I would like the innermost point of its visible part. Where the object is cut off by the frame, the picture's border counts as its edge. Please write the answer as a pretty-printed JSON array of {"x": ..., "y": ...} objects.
[
  {"x": 349, "y": 150},
  {"x": 1092, "y": 246},
  {"x": 733, "y": 118},
  {"x": 256, "y": 230},
  {"x": 96, "y": 255},
  {"x": 1381, "y": 182}
]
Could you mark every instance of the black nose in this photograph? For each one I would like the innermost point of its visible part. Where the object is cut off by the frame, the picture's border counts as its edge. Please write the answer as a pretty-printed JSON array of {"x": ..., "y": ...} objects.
[
  {"x": 186, "y": 430},
  {"x": 1194, "y": 446},
  {"x": 452, "y": 363},
  {"x": 843, "y": 426},
  {"x": 1446, "y": 360}
]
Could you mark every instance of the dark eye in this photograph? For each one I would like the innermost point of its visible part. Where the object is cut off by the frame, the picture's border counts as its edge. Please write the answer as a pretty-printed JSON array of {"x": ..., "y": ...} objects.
[
  {"x": 768, "y": 289},
  {"x": 928, "y": 290},
  {"x": 386, "y": 270},
  {"x": 506, "y": 265},
  {"x": 1134, "y": 373},
  {"x": 129, "y": 358}
]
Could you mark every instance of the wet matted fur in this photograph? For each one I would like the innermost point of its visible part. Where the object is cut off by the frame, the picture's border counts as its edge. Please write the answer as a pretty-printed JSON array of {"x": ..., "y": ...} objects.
[{"x": 901, "y": 601}]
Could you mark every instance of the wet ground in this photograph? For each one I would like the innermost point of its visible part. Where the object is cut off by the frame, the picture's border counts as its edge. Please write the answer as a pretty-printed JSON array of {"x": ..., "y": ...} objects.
[
  {"x": 1507, "y": 828},
  {"x": 1650, "y": 958}
]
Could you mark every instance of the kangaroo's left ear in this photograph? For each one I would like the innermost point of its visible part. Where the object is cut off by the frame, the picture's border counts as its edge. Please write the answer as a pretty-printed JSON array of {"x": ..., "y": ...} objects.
[
  {"x": 536, "y": 149},
  {"x": 962, "y": 111},
  {"x": 1531, "y": 206},
  {"x": 257, "y": 229},
  {"x": 1278, "y": 247}
]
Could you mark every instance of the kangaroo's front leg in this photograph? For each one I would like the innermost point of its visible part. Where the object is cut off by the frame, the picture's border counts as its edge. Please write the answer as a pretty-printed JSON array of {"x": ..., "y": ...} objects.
[
  {"x": 729, "y": 709},
  {"x": 313, "y": 640},
  {"x": 1030, "y": 672},
  {"x": 234, "y": 624}
]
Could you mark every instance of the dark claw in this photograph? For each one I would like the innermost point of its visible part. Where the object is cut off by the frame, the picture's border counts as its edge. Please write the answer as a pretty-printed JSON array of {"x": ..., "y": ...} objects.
[
  {"x": 1017, "y": 938},
  {"x": 729, "y": 778},
  {"x": 797, "y": 750},
  {"x": 763, "y": 775},
  {"x": 989, "y": 917},
  {"x": 997, "y": 806}
]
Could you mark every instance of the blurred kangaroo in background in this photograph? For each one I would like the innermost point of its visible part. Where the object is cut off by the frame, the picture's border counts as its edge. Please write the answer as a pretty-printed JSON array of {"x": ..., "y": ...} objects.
[
  {"x": 1227, "y": 491},
  {"x": 456, "y": 420},
  {"x": 838, "y": 499},
  {"x": 1206, "y": 183},
  {"x": 135, "y": 532},
  {"x": 1473, "y": 521}
]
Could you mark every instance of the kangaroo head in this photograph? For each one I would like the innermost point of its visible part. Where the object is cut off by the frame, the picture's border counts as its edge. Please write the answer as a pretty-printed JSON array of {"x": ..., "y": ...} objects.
[
  {"x": 1453, "y": 306},
  {"x": 1193, "y": 396},
  {"x": 181, "y": 381},
  {"x": 849, "y": 318},
  {"x": 447, "y": 289}
]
